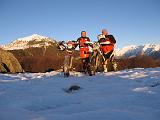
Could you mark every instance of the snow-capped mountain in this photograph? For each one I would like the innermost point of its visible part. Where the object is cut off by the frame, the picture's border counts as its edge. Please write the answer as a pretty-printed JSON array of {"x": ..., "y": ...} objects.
[
  {"x": 133, "y": 50},
  {"x": 34, "y": 40}
]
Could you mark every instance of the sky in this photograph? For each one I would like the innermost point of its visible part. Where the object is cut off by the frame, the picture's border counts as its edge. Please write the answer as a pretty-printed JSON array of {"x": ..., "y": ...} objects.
[{"x": 131, "y": 22}]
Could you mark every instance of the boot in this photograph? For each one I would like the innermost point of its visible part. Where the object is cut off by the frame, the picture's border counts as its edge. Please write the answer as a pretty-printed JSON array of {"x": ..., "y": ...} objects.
[
  {"x": 105, "y": 68},
  {"x": 115, "y": 66}
]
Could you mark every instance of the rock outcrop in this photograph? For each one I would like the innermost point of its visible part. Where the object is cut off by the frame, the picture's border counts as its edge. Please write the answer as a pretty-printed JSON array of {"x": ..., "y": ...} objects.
[{"x": 8, "y": 63}]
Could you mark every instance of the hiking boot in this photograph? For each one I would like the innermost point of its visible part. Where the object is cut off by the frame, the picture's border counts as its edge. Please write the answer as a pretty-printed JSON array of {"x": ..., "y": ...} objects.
[{"x": 105, "y": 68}]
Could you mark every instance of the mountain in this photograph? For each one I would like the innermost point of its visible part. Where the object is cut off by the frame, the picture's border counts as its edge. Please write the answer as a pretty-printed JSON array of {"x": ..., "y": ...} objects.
[
  {"x": 38, "y": 41},
  {"x": 34, "y": 40},
  {"x": 152, "y": 50},
  {"x": 38, "y": 53}
]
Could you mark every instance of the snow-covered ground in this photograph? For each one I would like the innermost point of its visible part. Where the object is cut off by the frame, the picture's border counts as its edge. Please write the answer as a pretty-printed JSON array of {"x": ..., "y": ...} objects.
[{"x": 123, "y": 95}]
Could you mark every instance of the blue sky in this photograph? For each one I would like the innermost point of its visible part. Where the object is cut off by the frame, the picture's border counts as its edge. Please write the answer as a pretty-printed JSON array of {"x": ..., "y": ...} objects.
[{"x": 130, "y": 21}]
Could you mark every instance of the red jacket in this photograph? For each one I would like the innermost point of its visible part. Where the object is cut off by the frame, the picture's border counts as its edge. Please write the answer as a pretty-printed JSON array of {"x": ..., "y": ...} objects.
[
  {"x": 107, "y": 44},
  {"x": 84, "y": 49}
]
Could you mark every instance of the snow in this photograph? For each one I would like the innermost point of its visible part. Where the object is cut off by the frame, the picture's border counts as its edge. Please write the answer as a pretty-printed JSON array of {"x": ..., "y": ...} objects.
[
  {"x": 124, "y": 95},
  {"x": 140, "y": 89},
  {"x": 22, "y": 43},
  {"x": 34, "y": 36},
  {"x": 133, "y": 50}
]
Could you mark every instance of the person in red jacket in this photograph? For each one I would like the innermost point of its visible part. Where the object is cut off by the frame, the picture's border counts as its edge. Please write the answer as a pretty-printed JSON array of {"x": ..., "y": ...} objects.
[
  {"x": 84, "y": 44},
  {"x": 106, "y": 46}
]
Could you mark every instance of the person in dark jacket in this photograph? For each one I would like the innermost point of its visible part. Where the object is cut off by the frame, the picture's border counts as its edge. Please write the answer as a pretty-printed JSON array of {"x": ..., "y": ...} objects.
[{"x": 107, "y": 43}]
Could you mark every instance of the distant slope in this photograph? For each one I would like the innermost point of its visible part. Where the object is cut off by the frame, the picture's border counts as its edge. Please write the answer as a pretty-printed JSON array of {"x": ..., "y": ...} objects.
[
  {"x": 152, "y": 50},
  {"x": 34, "y": 40}
]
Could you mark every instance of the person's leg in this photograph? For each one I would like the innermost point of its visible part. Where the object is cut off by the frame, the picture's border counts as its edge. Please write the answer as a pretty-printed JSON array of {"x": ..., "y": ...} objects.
[
  {"x": 106, "y": 58},
  {"x": 71, "y": 60},
  {"x": 105, "y": 66},
  {"x": 112, "y": 60},
  {"x": 96, "y": 61},
  {"x": 84, "y": 64}
]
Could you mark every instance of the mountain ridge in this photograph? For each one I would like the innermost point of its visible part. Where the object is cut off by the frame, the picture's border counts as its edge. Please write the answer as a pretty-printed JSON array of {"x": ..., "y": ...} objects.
[
  {"x": 136, "y": 50},
  {"x": 34, "y": 40}
]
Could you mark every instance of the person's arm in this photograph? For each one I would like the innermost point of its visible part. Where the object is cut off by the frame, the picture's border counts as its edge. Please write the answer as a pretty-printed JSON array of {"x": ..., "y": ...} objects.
[
  {"x": 77, "y": 42},
  {"x": 61, "y": 46},
  {"x": 112, "y": 39},
  {"x": 88, "y": 39},
  {"x": 89, "y": 42}
]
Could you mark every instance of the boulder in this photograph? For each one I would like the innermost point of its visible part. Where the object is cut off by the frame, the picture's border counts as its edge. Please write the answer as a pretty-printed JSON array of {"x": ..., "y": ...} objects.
[{"x": 8, "y": 63}]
